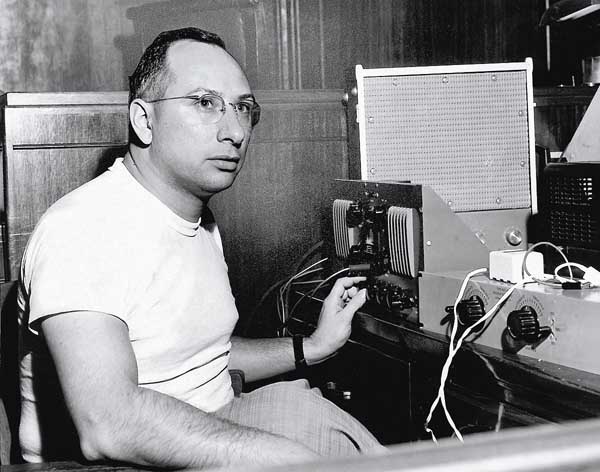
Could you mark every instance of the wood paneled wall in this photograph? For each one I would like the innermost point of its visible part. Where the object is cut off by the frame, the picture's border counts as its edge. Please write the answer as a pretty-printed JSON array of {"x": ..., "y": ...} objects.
[
  {"x": 272, "y": 215},
  {"x": 87, "y": 45}
]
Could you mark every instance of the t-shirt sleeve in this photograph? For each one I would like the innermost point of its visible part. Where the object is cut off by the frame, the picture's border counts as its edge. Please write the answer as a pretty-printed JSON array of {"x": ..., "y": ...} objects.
[{"x": 81, "y": 267}]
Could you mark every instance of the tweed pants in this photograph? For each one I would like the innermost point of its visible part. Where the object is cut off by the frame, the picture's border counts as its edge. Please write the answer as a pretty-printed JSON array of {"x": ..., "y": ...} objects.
[{"x": 295, "y": 411}]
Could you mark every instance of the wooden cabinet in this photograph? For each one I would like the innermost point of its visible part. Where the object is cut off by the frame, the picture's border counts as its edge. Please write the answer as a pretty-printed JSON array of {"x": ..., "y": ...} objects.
[{"x": 53, "y": 143}]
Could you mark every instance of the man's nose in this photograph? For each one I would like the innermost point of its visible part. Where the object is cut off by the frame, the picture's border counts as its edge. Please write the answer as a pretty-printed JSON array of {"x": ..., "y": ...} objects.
[{"x": 230, "y": 127}]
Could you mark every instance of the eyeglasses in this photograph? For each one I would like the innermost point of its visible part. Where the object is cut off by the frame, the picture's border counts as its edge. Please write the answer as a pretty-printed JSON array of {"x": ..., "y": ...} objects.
[{"x": 211, "y": 108}]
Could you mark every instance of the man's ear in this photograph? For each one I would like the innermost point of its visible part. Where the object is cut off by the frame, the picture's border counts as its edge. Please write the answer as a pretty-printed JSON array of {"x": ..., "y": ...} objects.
[{"x": 139, "y": 117}]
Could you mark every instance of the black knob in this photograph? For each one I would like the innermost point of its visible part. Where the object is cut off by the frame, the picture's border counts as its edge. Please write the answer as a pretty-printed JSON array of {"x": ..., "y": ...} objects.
[
  {"x": 380, "y": 218},
  {"x": 523, "y": 325},
  {"x": 354, "y": 215},
  {"x": 382, "y": 292},
  {"x": 469, "y": 311}
]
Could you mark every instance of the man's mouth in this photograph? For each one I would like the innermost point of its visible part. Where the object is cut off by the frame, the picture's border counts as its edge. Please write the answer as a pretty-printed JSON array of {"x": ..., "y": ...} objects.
[{"x": 225, "y": 162}]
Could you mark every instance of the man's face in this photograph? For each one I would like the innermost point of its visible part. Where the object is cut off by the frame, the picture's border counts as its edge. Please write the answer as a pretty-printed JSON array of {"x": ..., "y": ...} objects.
[{"x": 197, "y": 159}]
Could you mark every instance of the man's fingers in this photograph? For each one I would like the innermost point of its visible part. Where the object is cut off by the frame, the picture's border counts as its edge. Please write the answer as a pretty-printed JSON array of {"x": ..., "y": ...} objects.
[
  {"x": 356, "y": 302},
  {"x": 345, "y": 283}
]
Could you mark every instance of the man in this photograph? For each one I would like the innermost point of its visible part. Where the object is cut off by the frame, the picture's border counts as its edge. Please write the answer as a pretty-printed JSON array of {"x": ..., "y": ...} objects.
[{"x": 125, "y": 301}]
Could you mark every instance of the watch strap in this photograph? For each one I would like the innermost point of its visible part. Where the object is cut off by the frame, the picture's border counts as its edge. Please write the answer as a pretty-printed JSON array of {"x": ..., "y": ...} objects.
[{"x": 298, "y": 343}]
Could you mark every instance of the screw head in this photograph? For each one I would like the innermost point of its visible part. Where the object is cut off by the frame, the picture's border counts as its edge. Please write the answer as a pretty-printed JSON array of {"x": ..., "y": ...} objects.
[{"x": 513, "y": 236}]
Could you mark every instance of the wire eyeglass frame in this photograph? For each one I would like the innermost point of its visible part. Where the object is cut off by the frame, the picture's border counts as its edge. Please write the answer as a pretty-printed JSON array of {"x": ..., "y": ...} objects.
[{"x": 215, "y": 114}]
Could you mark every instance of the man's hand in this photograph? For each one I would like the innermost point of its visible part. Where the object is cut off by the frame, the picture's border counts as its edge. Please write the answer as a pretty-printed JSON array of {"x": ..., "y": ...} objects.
[{"x": 335, "y": 320}]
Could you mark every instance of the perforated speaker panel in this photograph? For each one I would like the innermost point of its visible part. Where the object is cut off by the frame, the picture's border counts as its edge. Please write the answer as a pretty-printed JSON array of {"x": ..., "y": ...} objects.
[{"x": 466, "y": 135}]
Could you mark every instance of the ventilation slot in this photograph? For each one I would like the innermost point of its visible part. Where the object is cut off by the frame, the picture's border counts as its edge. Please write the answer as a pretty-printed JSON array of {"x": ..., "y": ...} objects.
[
  {"x": 340, "y": 228},
  {"x": 404, "y": 240}
]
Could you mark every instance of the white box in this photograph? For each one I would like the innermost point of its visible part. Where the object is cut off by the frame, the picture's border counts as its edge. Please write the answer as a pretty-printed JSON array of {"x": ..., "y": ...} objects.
[{"x": 507, "y": 265}]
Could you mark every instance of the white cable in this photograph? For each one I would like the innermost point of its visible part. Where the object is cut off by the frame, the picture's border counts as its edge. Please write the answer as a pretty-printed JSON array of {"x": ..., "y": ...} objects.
[
  {"x": 453, "y": 350},
  {"x": 440, "y": 396},
  {"x": 592, "y": 275},
  {"x": 525, "y": 271},
  {"x": 281, "y": 305},
  {"x": 314, "y": 290}
]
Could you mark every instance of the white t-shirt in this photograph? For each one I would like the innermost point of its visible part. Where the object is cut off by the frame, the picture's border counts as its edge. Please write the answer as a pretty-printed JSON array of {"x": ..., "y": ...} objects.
[{"x": 110, "y": 246}]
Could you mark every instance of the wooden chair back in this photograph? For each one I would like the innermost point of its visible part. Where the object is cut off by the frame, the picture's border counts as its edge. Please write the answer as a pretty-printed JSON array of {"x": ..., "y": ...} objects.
[
  {"x": 9, "y": 396},
  {"x": 5, "y": 436}
]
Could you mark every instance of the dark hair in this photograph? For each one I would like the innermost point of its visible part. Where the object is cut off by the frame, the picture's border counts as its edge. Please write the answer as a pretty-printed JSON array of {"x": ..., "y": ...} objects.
[{"x": 151, "y": 75}]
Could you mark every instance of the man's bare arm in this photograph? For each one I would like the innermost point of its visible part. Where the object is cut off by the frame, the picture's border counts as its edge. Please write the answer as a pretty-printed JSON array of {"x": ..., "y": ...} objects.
[
  {"x": 263, "y": 358},
  {"x": 118, "y": 420}
]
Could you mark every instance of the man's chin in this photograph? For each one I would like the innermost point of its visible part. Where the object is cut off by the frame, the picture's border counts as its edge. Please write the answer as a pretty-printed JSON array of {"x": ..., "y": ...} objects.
[{"x": 222, "y": 182}]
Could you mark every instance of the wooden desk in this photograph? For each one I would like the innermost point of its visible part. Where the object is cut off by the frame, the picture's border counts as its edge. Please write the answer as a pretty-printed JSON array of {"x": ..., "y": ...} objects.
[{"x": 487, "y": 389}]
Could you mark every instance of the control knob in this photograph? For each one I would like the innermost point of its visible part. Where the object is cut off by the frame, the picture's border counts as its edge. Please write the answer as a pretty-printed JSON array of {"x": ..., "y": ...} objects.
[
  {"x": 523, "y": 325},
  {"x": 469, "y": 311},
  {"x": 354, "y": 215}
]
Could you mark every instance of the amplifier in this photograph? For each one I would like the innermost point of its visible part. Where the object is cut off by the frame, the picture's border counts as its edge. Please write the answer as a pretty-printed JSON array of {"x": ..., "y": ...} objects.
[{"x": 536, "y": 321}]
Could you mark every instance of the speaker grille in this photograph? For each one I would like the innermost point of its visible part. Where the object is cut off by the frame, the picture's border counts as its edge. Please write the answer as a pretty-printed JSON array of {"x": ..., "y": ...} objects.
[
  {"x": 571, "y": 204},
  {"x": 464, "y": 134}
]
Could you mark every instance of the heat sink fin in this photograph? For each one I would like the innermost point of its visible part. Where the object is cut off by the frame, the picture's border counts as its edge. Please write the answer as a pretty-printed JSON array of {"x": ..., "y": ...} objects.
[
  {"x": 340, "y": 228},
  {"x": 404, "y": 235}
]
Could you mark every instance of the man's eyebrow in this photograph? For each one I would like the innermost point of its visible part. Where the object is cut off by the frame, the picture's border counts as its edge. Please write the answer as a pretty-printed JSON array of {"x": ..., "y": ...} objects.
[
  {"x": 205, "y": 90},
  {"x": 244, "y": 96}
]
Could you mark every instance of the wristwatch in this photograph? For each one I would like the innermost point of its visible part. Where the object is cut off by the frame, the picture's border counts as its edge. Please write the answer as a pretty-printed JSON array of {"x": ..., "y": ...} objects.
[{"x": 298, "y": 342}]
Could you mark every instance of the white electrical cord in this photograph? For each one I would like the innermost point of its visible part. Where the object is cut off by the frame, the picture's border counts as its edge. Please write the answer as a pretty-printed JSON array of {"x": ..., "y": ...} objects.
[
  {"x": 590, "y": 275},
  {"x": 525, "y": 272},
  {"x": 453, "y": 349}
]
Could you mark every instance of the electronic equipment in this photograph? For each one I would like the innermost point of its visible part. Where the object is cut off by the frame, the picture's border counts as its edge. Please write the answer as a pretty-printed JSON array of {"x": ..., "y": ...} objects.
[
  {"x": 536, "y": 321},
  {"x": 447, "y": 175},
  {"x": 391, "y": 232},
  {"x": 570, "y": 210},
  {"x": 448, "y": 178},
  {"x": 448, "y": 169},
  {"x": 570, "y": 193}
]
